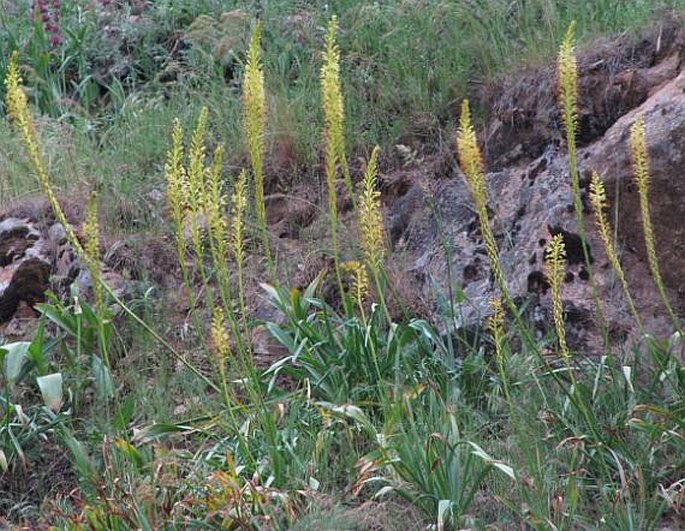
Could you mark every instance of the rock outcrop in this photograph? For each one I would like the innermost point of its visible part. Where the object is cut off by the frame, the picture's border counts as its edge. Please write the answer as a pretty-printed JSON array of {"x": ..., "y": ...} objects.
[
  {"x": 35, "y": 257},
  {"x": 531, "y": 200}
]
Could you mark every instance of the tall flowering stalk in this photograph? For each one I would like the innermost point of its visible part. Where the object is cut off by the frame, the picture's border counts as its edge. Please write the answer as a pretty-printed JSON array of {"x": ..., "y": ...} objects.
[
  {"x": 567, "y": 67},
  {"x": 254, "y": 116},
  {"x": 196, "y": 202},
  {"x": 221, "y": 348},
  {"x": 371, "y": 229},
  {"x": 556, "y": 263},
  {"x": 214, "y": 202},
  {"x": 196, "y": 185},
  {"x": 17, "y": 106},
  {"x": 370, "y": 217},
  {"x": 177, "y": 191},
  {"x": 331, "y": 96},
  {"x": 640, "y": 159},
  {"x": 567, "y": 72},
  {"x": 19, "y": 114},
  {"x": 599, "y": 204},
  {"x": 91, "y": 230},
  {"x": 92, "y": 250},
  {"x": 237, "y": 237},
  {"x": 333, "y": 102},
  {"x": 496, "y": 328},
  {"x": 359, "y": 285},
  {"x": 215, "y": 205},
  {"x": 471, "y": 163}
]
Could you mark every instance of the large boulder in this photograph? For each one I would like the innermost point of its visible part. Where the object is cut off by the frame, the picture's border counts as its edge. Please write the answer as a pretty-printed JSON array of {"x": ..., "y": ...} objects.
[{"x": 435, "y": 225}]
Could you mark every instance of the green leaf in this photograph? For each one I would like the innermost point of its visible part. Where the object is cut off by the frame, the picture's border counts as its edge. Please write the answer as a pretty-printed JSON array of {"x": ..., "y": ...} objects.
[
  {"x": 270, "y": 291},
  {"x": 84, "y": 465},
  {"x": 156, "y": 430},
  {"x": 479, "y": 452},
  {"x": 444, "y": 507},
  {"x": 310, "y": 291},
  {"x": 38, "y": 349},
  {"x": 59, "y": 316},
  {"x": 124, "y": 413},
  {"x": 349, "y": 411},
  {"x": 383, "y": 491},
  {"x": 103, "y": 378},
  {"x": 51, "y": 388},
  {"x": 429, "y": 332},
  {"x": 16, "y": 355},
  {"x": 282, "y": 337}
]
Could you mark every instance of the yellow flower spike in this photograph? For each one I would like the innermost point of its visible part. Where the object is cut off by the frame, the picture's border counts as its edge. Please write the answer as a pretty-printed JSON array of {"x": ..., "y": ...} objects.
[
  {"x": 214, "y": 201},
  {"x": 496, "y": 327},
  {"x": 370, "y": 217},
  {"x": 640, "y": 159},
  {"x": 196, "y": 179},
  {"x": 91, "y": 229},
  {"x": 567, "y": 86},
  {"x": 175, "y": 176},
  {"x": 337, "y": 106},
  {"x": 332, "y": 101},
  {"x": 598, "y": 201},
  {"x": 215, "y": 208},
  {"x": 471, "y": 163},
  {"x": 237, "y": 237},
  {"x": 221, "y": 348},
  {"x": 567, "y": 72},
  {"x": 196, "y": 164},
  {"x": 220, "y": 340},
  {"x": 567, "y": 66},
  {"x": 360, "y": 280},
  {"x": 470, "y": 158},
  {"x": 17, "y": 106},
  {"x": 334, "y": 113},
  {"x": 359, "y": 287},
  {"x": 254, "y": 116},
  {"x": 556, "y": 265},
  {"x": 330, "y": 90}
]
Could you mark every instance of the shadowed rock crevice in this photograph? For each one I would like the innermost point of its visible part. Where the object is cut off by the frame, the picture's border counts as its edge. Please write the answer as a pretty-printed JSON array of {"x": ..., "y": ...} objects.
[{"x": 29, "y": 284}]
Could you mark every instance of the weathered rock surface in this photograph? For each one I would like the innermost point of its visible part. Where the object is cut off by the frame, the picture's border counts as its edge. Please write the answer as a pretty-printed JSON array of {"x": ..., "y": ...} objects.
[
  {"x": 35, "y": 257},
  {"x": 24, "y": 265},
  {"x": 531, "y": 200}
]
